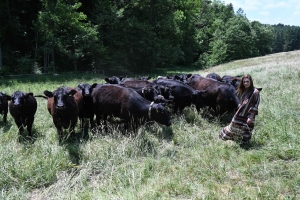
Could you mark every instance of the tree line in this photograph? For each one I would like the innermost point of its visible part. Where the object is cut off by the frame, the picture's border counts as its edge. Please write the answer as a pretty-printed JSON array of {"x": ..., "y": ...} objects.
[{"x": 40, "y": 36}]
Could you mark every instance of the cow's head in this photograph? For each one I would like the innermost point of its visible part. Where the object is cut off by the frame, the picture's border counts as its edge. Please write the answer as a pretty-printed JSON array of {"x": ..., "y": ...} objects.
[
  {"x": 149, "y": 92},
  {"x": 19, "y": 98},
  {"x": 3, "y": 98},
  {"x": 181, "y": 77},
  {"x": 86, "y": 89},
  {"x": 166, "y": 92},
  {"x": 60, "y": 96},
  {"x": 114, "y": 80},
  {"x": 159, "y": 113}
]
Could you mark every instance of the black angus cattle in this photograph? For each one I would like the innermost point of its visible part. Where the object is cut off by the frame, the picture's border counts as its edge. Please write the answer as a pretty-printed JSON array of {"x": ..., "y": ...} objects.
[
  {"x": 214, "y": 76},
  {"x": 87, "y": 109},
  {"x": 183, "y": 94},
  {"x": 166, "y": 92},
  {"x": 128, "y": 105},
  {"x": 22, "y": 108},
  {"x": 150, "y": 93},
  {"x": 181, "y": 77},
  {"x": 233, "y": 80},
  {"x": 148, "y": 90},
  {"x": 4, "y": 105},
  {"x": 114, "y": 80},
  {"x": 65, "y": 106},
  {"x": 221, "y": 97}
]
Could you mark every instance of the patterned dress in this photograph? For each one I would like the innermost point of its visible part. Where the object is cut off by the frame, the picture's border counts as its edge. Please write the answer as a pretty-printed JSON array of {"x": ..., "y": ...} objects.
[{"x": 238, "y": 129}]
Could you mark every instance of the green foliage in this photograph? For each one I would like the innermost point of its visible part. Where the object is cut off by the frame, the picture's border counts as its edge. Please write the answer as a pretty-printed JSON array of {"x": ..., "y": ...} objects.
[
  {"x": 133, "y": 35},
  {"x": 64, "y": 29}
]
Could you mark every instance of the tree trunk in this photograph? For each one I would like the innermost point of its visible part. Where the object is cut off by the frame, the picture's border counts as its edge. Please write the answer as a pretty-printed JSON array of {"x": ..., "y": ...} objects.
[
  {"x": 46, "y": 61},
  {"x": 53, "y": 61},
  {"x": 75, "y": 65},
  {"x": 0, "y": 55}
]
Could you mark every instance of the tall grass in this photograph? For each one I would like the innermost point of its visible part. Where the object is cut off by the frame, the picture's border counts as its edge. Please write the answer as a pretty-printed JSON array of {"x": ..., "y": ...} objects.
[{"x": 184, "y": 161}]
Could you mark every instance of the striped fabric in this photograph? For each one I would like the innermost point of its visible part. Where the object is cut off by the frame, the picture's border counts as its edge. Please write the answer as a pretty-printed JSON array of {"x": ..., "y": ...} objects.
[{"x": 238, "y": 129}]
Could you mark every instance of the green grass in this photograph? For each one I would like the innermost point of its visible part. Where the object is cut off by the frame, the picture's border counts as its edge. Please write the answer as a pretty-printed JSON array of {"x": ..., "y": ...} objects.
[{"x": 184, "y": 161}]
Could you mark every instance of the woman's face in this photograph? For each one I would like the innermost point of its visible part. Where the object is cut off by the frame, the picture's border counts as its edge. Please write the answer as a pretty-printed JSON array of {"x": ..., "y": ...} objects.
[{"x": 246, "y": 83}]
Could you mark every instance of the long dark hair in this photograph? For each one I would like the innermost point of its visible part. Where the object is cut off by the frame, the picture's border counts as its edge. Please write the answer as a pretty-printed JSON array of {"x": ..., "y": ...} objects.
[{"x": 241, "y": 87}]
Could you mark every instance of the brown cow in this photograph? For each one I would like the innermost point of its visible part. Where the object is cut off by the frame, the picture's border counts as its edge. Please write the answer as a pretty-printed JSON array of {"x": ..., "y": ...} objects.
[{"x": 65, "y": 106}]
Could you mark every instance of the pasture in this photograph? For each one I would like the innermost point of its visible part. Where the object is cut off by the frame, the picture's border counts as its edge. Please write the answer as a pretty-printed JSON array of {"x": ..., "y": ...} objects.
[{"x": 184, "y": 161}]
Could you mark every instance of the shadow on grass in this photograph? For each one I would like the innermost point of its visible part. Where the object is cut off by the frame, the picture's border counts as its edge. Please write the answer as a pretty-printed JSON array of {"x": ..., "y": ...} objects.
[
  {"x": 6, "y": 126},
  {"x": 73, "y": 143},
  {"x": 252, "y": 145},
  {"x": 25, "y": 139}
]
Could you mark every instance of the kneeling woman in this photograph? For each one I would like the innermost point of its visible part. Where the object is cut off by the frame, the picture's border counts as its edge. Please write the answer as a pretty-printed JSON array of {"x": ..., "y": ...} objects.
[{"x": 242, "y": 123}]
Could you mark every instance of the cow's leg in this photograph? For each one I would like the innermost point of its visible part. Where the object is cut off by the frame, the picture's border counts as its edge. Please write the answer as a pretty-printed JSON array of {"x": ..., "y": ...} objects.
[
  {"x": 29, "y": 123},
  {"x": 92, "y": 123},
  {"x": 59, "y": 130},
  {"x": 98, "y": 118},
  {"x": 5, "y": 117},
  {"x": 19, "y": 124}
]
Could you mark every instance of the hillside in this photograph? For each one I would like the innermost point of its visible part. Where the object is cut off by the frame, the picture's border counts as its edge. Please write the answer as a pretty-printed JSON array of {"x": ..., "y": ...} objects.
[{"x": 185, "y": 161}]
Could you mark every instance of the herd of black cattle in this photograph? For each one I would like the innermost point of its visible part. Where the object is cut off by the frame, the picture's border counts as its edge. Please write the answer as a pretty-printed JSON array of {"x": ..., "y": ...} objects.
[{"x": 134, "y": 101}]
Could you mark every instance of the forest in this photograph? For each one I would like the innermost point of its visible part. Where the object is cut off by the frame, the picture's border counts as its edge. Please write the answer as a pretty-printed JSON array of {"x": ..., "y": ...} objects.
[{"x": 44, "y": 36}]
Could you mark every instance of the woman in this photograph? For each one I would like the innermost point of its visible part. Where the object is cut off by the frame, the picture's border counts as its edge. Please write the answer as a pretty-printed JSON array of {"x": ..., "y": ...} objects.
[{"x": 242, "y": 123}]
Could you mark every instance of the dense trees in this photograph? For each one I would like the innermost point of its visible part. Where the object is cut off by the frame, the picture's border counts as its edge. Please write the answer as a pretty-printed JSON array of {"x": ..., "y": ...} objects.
[{"x": 60, "y": 35}]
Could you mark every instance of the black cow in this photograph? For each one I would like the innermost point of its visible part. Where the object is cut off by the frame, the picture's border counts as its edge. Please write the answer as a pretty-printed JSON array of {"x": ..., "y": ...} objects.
[
  {"x": 87, "y": 110},
  {"x": 214, "y": 76},
  {"x": 148, "y": 90},
  {"x": 150, "y": 93},
  {"x": 221, "y": 97},
  {"x": 4, "y": 105},
  {"x": 65, "y": 105},
  {"x": 114, "y": 80},
  {"x": 166, "y": 92},
  {"x": 183, "y": 94},
  {"x": 128, "y": 105},
  {"x": 22, "y": 108},
  {"x": 233, "y": 80},
  {"x": 181, "y": 77}
]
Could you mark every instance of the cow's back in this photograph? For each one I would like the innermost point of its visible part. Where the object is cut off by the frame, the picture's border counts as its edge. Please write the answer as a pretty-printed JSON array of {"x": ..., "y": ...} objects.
[
  {"x": 116, "y": 100},
  {"x": 218, "y": 94}
]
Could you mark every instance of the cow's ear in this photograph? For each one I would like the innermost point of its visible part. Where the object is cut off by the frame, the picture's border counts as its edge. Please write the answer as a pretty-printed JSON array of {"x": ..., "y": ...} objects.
[
  {"x": 259, "y": 89},
  {"x": 107, "y": 80},
  {"x": 48, "y": 93},
  {"x": 121, "y": 77},
  {"x": 28, "y": 94},
  {"x": 80, "y": 85},
  {"x": 72, "y": 92},
  {"x": 189, "y": 75},
  {"x": 94, "y": 85},
  {"x": 7, "y": 97},
  {"x": 148, "y": 78}
]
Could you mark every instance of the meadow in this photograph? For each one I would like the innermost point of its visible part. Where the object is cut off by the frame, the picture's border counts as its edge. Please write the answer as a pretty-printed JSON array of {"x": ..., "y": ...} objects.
[{"x": 184, "y": 161}]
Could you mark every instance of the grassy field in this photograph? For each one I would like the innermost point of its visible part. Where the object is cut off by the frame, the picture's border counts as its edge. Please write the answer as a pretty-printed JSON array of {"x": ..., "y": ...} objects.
[{"x": 184, "y": 161}]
